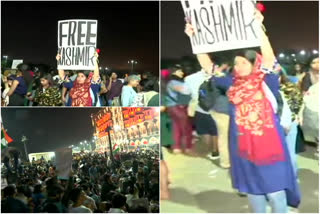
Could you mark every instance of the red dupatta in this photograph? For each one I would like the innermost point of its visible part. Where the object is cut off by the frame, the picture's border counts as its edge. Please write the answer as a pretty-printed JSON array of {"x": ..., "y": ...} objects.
[
  {"x": 258, "y": 138},
  {"x": 80, "y": 93}
]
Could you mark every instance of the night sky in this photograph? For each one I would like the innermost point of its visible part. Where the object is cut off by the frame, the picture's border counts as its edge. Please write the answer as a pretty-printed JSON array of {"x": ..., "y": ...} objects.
[
  {"x": 289, "y": 24},
  {"x": 126, "y": 30},
  {"x": 48, "y": 128}
]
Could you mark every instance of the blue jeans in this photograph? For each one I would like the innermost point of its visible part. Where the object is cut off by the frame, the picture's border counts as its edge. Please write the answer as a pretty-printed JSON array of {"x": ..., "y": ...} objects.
[
  {"x": 109, "y": 102},
  {"x": 291, "y": 140},
  {"x": 277, "y": 201}
]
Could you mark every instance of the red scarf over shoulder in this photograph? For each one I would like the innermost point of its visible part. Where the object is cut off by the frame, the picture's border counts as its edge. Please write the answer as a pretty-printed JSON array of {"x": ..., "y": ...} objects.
[
  {"x": 80, "y": 93},
  {"x": 258, "y": 137}
]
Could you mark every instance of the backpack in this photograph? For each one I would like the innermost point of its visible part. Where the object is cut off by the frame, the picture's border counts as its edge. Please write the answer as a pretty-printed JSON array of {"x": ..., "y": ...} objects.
[{"x": 208, "y": 95}]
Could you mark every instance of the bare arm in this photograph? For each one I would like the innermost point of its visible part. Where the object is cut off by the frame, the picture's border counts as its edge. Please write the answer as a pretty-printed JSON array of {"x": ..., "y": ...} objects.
[
  {"x": 13, "y": 87},
  {"x": 204, "y": 59},
  {"x": 63, "y": 94},
  {"x": 266, "y": 48},
  {"x": 96, "y": 74},
  {"x": 60, "y": 71},
  {"x": 110, "y": 83}
]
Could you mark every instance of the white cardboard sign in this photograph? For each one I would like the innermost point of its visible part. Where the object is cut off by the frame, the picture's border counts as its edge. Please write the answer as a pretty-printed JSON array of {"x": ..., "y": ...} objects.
[
  {"x": 64, "y": 162},
  {"x": 77, "y": 42},
  {"x": 222, "y": 24},
  {"x": 16, "y": 62}
]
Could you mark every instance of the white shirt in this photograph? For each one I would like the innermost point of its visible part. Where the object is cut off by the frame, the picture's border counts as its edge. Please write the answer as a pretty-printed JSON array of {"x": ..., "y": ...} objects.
[{"x": 194, "y": 82}]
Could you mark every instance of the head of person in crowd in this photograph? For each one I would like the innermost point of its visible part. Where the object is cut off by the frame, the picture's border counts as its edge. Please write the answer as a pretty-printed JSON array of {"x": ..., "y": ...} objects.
[
  {"x": 146, "y": 75},
  {"x": 55, "y": 192},
  {"x": 46, "y": 81},
  {"x": 107, "y": 178},
  {"x": 82, "y": 76},
  {"x": 38, "y": 189},
  {"x": 314, "y": 64},
  {"x": 177, "y": 72},
  {"x": 244, "y": 62},
  {"x": 189, "y": 65},
  {"x": 24, "y": 70},
  {"x": 151, "y": 84},
  {"x": 114, "y": 75},
  {"x": 297, "y": 69},
  {"x": 77, "y": 196},
  {"x": 133, "y": 80},
  {"x": 9, "y": 191},
  {"x": 118, "y": 201}
]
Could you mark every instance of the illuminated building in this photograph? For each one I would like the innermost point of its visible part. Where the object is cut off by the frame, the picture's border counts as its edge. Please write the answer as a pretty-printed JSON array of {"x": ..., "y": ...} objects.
[{"x": 130, "y": 128}]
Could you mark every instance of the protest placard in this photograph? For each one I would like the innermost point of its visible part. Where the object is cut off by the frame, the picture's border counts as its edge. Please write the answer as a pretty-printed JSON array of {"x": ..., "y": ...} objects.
[
  {"x": 15, "y": 63},
  {"x": 222, "y": 24},
  {"x": 77, "y": 42},
  {"x": 63, "y": 162}
]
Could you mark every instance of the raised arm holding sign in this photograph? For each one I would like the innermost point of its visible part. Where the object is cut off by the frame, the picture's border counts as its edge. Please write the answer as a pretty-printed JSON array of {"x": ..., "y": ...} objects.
[
  {"x": 266, "y": 48},
  {"x": 77, "y": 41},
  {"x": 221, "y": 24}
]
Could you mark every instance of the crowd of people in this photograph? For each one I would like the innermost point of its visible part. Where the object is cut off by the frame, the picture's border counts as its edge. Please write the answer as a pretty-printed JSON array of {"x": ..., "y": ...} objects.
[
  {"x": 129, "y": 182},
  {"x": 41, "y": 86},
  {"x": 254, "y": 114}
]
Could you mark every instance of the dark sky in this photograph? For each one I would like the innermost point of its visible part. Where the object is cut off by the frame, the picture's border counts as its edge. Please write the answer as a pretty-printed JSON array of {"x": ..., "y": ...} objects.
[
  {"x": 290, "y": 25},
  {"x": 48, "y": 128},
  {"x": 126, "y": 30}
]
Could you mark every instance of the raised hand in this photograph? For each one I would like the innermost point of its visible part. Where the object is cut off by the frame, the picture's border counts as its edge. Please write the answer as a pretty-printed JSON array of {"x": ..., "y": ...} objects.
[
  {"x": 58, "y": 57},
  {"x": 189, "y": 30}
]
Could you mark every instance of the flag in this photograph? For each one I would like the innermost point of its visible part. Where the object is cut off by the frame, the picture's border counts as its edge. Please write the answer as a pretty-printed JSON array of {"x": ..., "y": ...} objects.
[
  {"x": 115, "y": 148},
  {"x": 5, "y": 138}
]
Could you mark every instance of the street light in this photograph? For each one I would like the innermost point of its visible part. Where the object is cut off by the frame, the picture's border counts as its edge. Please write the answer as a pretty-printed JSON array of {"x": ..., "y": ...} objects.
[
  {"x": 315, "y": 52},
  {"x": 281, "y": 55},
  {"x": 106, "y": 68},
  {"x": 303, "y": 52},
  {"x": 293, "y": 55},
  {"x": 132, "y": 62}
]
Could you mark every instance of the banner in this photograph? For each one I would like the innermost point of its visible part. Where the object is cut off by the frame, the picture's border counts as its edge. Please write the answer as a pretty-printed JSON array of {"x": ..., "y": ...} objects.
[
  {"x": 222, "y": 24},
  {"x": 77, "y": 42},
  {"x": 64, "y": 162},
  {"x": 15, "y": 63}
]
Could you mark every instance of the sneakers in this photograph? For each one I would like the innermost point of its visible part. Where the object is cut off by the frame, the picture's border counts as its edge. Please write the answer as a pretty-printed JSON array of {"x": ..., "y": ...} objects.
[{"x": 213, "y": 156}]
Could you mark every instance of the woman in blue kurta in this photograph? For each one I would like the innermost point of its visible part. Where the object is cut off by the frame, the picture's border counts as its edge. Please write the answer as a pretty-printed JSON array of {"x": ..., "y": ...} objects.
[{"x": 260, "y": 161}]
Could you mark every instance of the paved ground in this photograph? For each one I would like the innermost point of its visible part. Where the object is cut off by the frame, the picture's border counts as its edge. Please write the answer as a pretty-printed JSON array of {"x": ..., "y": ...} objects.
[{"x": 195, "y": 190}]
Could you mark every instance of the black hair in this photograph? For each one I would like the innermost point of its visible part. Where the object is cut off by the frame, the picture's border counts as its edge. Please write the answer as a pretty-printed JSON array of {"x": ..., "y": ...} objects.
[
  {"x": 86, "y": 73},
  {"x": 250, "y": 55},
  {"x": 9, "y": 191},
  {"x": 54, "y": 190},
  {"x": 47, "y": 77},
  {"x": 24, "y": 69},
  {"x": 37, "y": 188},
  {"x": 75, "y": 194},
  {"x": 150, "y": 84},
  {"x": 118, "y": 200}
]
